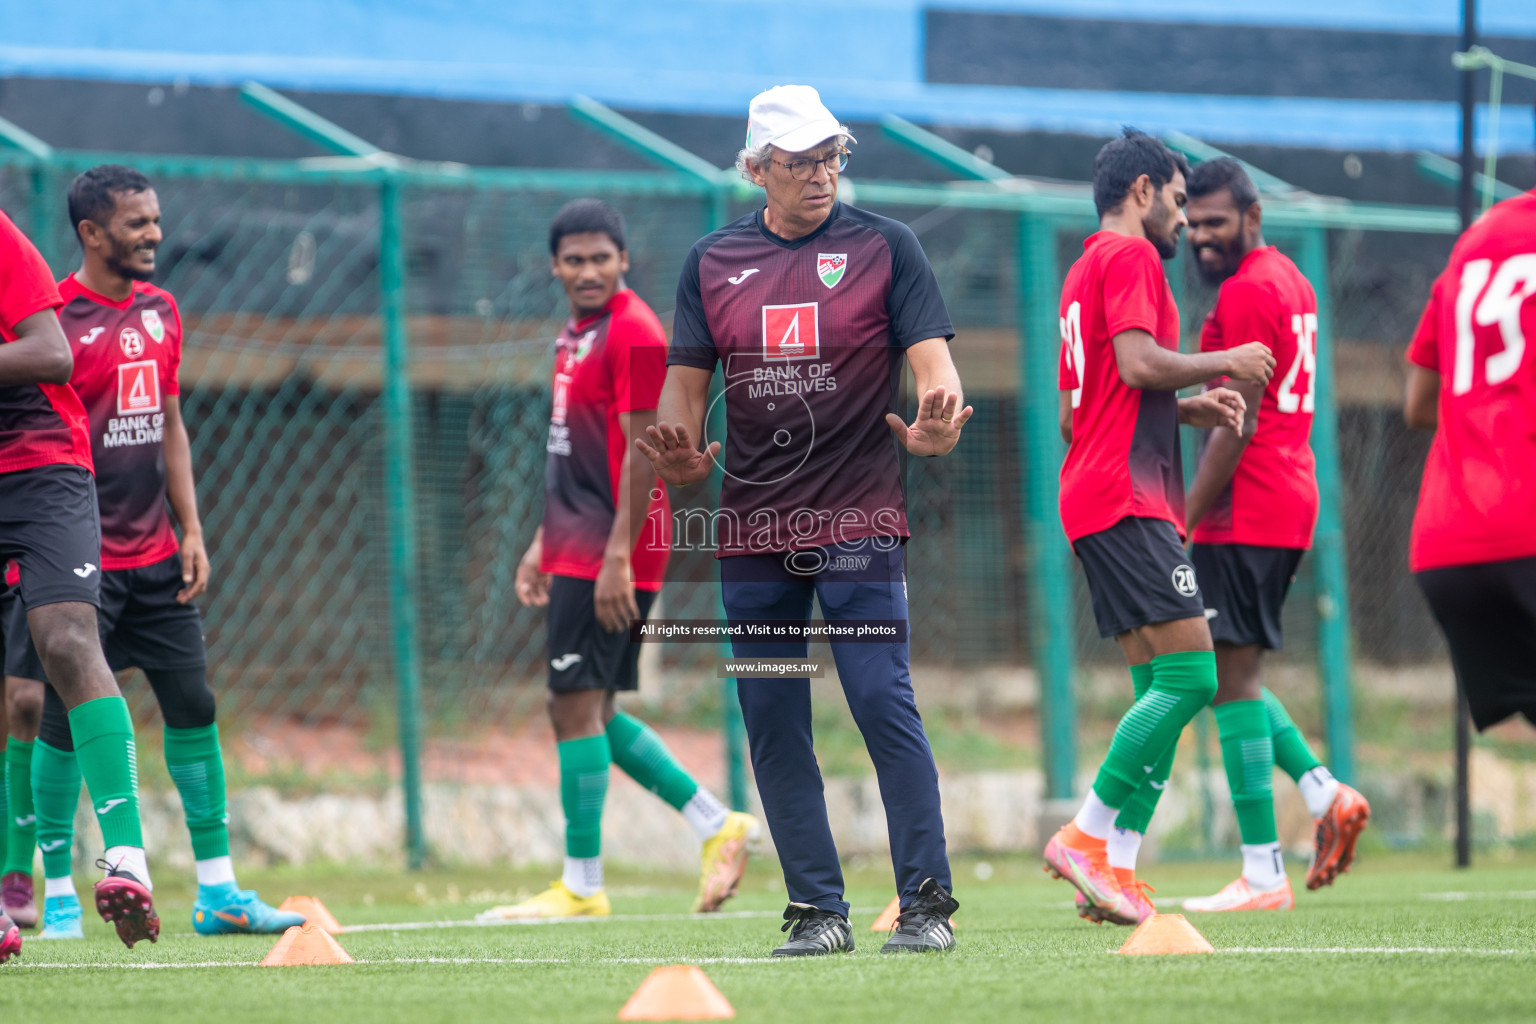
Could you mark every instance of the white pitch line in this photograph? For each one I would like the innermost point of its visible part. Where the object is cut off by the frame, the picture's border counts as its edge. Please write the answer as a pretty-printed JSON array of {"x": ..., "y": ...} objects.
[
  {"x": 649, "y": 961},
  {"x": 725, "y": 915},
  {"x": 1456, "y": 897},
  {"x": 1379, "y": 950}
]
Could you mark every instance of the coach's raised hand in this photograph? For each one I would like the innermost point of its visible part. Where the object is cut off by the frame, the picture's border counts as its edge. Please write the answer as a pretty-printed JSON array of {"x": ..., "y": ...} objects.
[
  {"x": 672, "y": 452},
  {"x": 937, "y": 427},
  {"x": 1253, "y": 361}
]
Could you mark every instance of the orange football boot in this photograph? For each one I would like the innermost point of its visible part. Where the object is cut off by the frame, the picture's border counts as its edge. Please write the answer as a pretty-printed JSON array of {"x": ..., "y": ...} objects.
[
  {"x": 1082, "y": 860},
  {"x": 1337, "y": 831},
  {"x": 1239, "y": 895}
]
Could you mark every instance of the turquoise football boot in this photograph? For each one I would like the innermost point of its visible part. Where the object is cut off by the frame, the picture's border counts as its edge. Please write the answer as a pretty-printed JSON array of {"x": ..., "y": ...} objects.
[
  {"x": 225, "y": 910},
  {"x": 61, "y": 918}
]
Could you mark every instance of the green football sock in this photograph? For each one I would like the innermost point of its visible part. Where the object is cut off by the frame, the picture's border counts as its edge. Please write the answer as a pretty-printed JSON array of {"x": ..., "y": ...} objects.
[
  {"x": 197, "y": 767},
  {"x": 645, "y": 758},
  {"x": 1136, "y": 815},
  {"x": 1248, "y": 754},
  {"x": 5, "y": 813},
  {"x": 1182, "y": 684},
  {"x": 21, "y": 816},
  {"x": 56, "y": 791},
  {"x": 1292, "y": 752},
  {"x": 583, "y": 788},
  {"x": 103, "y": 732}
]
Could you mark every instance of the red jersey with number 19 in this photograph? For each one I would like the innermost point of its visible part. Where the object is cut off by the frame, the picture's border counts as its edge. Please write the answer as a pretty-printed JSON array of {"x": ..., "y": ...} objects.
[
  {"x": 40, "y": 424},
  {"x": 1124, "y": 459},
  {"x": 1272, "y": 499},
  {"x": 1478, "y": 499},
  {"x": 127, "y": 358}
]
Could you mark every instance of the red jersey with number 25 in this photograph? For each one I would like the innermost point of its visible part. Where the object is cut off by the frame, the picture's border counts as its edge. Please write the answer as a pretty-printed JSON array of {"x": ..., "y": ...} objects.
[
  {"x": 1478, "y": 499},
  {"x": 1272, "y": 499},
  {"x": 127, "y": 357},
  {"x": 1124, "y": 459}
]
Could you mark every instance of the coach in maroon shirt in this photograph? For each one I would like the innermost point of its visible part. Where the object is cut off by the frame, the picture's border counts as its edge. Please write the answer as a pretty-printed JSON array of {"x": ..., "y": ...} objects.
[{"x": 810, "y": 306}]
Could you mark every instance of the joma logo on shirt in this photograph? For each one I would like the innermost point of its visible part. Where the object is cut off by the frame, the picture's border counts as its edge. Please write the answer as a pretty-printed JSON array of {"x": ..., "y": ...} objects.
[{"x": 791, "y": 332}]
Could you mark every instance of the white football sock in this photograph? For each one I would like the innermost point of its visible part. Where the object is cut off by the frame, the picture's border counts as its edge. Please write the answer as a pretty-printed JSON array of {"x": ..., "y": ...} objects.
[
  {"x": 705, "y": 813},
  {"x": 53, "y": 888},
  {"x": 1122, "y": 847},
  {"x": 1096, "y": 818},
  {"x": 1318, "y": 787},
  {"x": 130, "y": 859},
  {"x": 1262, "y": 866},
  {"x": 216, "y": 871},
  {"x": 583, "y": 875}
]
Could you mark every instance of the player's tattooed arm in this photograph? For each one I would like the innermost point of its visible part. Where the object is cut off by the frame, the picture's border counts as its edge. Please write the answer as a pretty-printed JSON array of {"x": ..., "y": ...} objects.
[
  {"x": 940, "y": 415},
  {"x": 613, "y": 595},
  {"x": 672, "y": 444},
  {"x": 1219, "y": 460},
  {"x": 1145, "y": 364},
  {"x": 532, "y": 585},
  {"x": 181, "y": 489},
  {"x": 1421, "y": 405},
  {"x": 39, "y": 355}
]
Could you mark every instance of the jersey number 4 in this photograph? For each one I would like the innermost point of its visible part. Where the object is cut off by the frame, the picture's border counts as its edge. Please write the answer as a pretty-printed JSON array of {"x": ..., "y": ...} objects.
[
  {"x": 1502, "y": 303},
  {"x": 1287, "y": 398}
]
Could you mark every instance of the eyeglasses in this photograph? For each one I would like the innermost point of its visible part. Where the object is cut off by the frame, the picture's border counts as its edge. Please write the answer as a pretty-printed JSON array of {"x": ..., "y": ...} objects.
[{"x": 804, "y": 169}]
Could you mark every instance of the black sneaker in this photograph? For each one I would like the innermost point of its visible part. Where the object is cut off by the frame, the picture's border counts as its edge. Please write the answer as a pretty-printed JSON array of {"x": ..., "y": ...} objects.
[
  {"x": 814, "y": 932},
  {"x": 924, "y": 925}
]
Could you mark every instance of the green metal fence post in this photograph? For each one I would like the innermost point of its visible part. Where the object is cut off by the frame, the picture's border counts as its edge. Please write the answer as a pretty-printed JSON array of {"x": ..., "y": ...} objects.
[
  {"x": 1334, "y": 659},
  {"x": 1051, "y": 606},
  {"x": 400, "y": 510}
]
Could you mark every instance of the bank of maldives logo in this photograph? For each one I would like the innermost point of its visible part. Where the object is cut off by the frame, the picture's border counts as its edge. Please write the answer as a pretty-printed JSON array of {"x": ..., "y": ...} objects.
[
  {"x": 830, "y": 267},
  {"x": 791, "y": 332}
]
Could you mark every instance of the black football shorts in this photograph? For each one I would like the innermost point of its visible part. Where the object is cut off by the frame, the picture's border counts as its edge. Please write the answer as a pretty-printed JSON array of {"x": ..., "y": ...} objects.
[
  {"x": 1488, "y": 613},
  {"x": 1138, "y": 574},
  {"x": 582, "y": 654},
  {"x": 142, "y": 624},
  {"x": 50, "y": 526},
  {"x": 1245, "y": 587}
]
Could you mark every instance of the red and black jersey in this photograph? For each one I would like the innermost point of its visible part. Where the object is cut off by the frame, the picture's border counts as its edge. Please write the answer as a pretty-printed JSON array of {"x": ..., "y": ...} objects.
[
  {"x": 1124, "y": 458},
  {"x": 610, "y": 363},
  {"x": 1478, "y": 499},
  {"x": 127, "y": 356},
  {"x": 1272, "y": 499},
  {"x": 812, "y": 333},
  {"x": 40, "y": 424}
]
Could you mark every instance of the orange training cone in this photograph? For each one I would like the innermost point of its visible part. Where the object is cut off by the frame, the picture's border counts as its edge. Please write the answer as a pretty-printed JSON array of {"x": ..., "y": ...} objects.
[
  {"x": 306, "y": 945},
  {"x": 682, "y": 992},
  {"x": 887, "y": 919},
  {"x": 314, "y": 912},
  {"x": 1165, "y": 933}
]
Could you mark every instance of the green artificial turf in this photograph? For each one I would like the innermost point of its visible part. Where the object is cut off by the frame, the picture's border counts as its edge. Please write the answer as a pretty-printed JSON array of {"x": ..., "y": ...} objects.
[{"x": 1022, "y": 955}]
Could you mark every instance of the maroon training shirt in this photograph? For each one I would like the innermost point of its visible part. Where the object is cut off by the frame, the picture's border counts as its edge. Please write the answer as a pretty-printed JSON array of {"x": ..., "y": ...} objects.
[
  {"x": 127, "y": 356},
  {"x": 811, "y": 333}
]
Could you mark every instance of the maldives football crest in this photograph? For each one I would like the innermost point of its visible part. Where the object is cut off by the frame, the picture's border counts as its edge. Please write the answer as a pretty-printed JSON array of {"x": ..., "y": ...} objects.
[
  {"x": 830, "y": 267},
  {"x": 153, "y": 324}
]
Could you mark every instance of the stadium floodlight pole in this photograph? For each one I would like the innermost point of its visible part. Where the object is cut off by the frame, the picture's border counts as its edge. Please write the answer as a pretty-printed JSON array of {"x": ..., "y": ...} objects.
[
  {"x": 1335, "y": 657},
  {"x": 941, "y": 151},
  {"x": 399, "y": 459},
  {"x": 1053, "y": 626},
  {"x": 1464, "y": 205},
  {"x": 1436, "y": 168},
  {"x": 41, "y": 179},
  {"x": 1200, "y": 151}
]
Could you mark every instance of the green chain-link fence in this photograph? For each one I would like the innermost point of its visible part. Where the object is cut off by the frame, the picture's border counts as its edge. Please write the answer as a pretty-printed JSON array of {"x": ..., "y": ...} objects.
[{"x": 279, "y": 269}]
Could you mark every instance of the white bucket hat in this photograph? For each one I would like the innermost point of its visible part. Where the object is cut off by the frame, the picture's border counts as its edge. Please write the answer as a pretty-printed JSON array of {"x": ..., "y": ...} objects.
[{"x": 791, "y": 117}]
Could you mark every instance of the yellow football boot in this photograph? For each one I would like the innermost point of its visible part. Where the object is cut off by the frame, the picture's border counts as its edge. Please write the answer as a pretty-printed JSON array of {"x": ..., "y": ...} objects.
[
  {"x": 556, "y": 901},
  {"x": 723, "y": 861}
]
